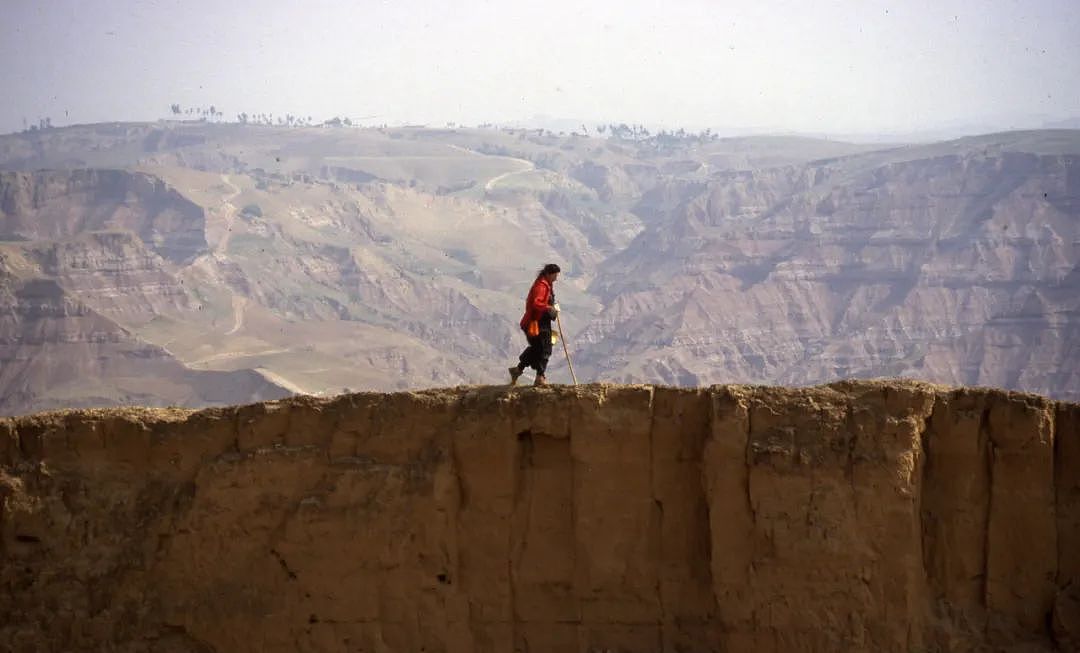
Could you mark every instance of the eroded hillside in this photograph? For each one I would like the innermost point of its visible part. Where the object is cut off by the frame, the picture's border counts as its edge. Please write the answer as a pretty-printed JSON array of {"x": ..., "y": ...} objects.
[
  {"x": 957, "y": 264},
  {"x": 87, "y": 258},
  {"x": 870, "y": 516},
  {"x": 321, "y": 261}
]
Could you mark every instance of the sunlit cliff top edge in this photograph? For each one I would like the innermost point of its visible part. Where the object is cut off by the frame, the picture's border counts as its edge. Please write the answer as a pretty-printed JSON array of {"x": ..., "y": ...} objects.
[{"x": 477, "y": 396}]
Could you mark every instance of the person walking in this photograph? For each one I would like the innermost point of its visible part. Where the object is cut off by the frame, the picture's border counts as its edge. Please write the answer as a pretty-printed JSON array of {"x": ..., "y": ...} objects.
[{"x": 540, "y": 310}]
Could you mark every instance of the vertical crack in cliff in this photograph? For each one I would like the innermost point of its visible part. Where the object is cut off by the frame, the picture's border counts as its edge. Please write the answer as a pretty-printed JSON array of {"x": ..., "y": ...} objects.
[
  {"x": 920, "y": 477},
  {"x": 748, "y": 454},
  {"x": 852, "y": 441},
  {"x": 574, "y": 499},
  {"x": 23, "y": 443},
  {"x": 455, "y": 526},
  {"x": 925, "y": 472},
  {"x": 748, "y": 406},
  {"x": 703, "y": 488},
  {"x": 1061, "y": 489},
  {"x": 986, "y": 450},
  {"x": 515, "y": 544},
  {"x": 1066, "y": 610},
  {"x": 8, "y": 443},
  {"x": 657, "y": 518},
  {"x": 236, "y": 430},
  {"x": 459, "y": 479},
  {"x": 1059, "y": 480}
]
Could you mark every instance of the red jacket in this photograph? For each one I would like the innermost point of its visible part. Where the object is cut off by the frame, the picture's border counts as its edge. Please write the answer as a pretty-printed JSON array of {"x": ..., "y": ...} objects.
[{"x": 537, "y": 303}]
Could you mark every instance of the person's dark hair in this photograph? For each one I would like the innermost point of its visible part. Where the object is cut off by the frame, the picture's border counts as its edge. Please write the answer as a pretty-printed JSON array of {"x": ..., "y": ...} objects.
[{"x": 550, "y": 268}]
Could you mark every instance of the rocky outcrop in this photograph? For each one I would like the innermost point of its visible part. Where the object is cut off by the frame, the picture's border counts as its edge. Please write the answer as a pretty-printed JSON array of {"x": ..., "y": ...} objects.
[
  {"x": 57, "y": 352},
  {"x": 114, "y": 273},
  {"x": 56, "y": 204},
  {"x": 868, "y": 516},
  {"x": 957, "y": 267}
]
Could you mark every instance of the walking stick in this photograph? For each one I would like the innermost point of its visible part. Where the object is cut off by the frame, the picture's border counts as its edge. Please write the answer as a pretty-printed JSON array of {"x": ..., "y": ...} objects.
[{"x": 558, "y": 321}]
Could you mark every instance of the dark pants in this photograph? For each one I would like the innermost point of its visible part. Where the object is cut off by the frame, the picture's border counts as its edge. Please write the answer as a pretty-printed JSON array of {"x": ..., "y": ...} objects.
[{"x": 538, "y": 352}]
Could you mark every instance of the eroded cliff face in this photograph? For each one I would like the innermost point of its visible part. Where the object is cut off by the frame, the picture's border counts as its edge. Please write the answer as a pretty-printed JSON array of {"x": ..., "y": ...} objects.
[
  {"x": 53, "y": 205},
  {"x": 58, "y": 351},
  {"x": 954, "y": 267},
  {"x": 867, "y": 516}
]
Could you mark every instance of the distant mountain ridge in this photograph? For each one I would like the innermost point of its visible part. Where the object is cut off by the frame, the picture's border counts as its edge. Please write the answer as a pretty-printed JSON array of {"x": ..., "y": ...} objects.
[{"x": 326, "y": 259}]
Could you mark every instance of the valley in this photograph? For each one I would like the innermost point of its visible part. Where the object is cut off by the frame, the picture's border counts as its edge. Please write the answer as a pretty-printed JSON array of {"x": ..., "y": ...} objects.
[{"x": 193, "y": 263}]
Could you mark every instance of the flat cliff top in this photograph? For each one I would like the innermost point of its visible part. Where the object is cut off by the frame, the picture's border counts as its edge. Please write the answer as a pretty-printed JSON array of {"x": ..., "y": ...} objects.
[{"x": 505, "y": 393}]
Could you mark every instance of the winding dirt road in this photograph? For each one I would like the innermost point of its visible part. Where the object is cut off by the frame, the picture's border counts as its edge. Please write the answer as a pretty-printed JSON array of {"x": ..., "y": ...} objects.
[
  {"x": 526, "y": 165},
  {"x": 238, "y": 304},
  {"x": 230, "y": 214}
]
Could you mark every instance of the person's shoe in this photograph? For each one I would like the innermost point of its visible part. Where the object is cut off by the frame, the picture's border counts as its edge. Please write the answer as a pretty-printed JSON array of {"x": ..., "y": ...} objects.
[
  {"x": 540, "y": 380},
  {"x": 515, "y": 372}
]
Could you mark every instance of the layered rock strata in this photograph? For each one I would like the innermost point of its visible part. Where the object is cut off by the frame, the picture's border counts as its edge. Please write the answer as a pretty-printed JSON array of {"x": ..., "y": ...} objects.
[{"x": 51, "y": 205}]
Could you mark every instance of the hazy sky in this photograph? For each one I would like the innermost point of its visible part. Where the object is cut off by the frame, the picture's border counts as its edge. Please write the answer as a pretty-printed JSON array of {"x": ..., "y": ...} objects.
[{"x": 851, "y": 66}]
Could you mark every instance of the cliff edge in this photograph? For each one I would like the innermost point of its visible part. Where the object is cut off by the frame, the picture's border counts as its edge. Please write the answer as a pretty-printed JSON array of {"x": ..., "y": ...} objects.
[{"x": 860, "y": 516}]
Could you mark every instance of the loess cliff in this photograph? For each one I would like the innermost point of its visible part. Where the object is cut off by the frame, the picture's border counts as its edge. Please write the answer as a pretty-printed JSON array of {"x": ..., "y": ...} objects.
[{"x": 861, "y": 516}]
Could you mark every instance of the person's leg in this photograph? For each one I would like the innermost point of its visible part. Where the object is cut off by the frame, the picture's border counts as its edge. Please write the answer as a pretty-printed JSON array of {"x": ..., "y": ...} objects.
[
  {"x": 528, "y": 356},
  {"x": 524, "y": 360},
  {"x": 543, "y": 354}
]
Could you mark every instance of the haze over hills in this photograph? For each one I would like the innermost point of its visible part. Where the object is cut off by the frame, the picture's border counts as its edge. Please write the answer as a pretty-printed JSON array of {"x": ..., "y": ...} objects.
[{"x": 194, "y": 263}]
